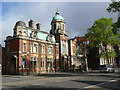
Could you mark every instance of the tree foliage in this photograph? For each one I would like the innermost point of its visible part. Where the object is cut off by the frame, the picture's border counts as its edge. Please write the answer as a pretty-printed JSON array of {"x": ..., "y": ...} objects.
[
  {"x": 101, "y": 35},
  {"x": 115, "y": 7}
]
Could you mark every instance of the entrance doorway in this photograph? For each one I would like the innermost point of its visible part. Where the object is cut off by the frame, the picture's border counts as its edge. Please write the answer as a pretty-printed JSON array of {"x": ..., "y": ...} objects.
[
  {"x": 64, "y": 62},
  {"x": 14, "y": 64}
]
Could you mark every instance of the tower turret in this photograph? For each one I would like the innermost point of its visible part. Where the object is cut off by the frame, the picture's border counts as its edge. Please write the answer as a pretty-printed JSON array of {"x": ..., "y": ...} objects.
[{"x": 58, "y": 25}]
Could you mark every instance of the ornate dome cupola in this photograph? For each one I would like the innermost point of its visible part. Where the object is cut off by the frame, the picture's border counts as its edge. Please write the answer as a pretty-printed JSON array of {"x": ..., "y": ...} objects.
[
  {"x": 19, "y": 29},
  {"x": 58, "y": 25},
  {"x": 20, "y": 23},
  {"x": 57, "y": 16}
]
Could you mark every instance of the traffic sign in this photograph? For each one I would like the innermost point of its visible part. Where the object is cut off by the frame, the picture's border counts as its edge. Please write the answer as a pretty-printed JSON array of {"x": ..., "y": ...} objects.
[{"x": 22, "y": 63}]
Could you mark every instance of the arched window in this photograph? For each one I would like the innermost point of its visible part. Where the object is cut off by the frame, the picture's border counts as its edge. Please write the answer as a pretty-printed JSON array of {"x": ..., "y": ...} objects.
[
  {"x": 20, "y": 33},
  {"x": 62, "y": 26},
  {"x": 42, "y": 62}
]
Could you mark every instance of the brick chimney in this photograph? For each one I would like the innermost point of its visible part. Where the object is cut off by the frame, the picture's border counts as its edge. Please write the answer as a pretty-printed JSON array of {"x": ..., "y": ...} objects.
[
  {"x": 38, "y": 26},
  {"x": 31, "y": 23}
]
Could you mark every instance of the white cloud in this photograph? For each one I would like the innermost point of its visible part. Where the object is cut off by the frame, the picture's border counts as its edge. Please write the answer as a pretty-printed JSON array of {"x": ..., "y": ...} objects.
[
  {"x": 78, "y": 16},
  {"x": 24, "y": 13}
]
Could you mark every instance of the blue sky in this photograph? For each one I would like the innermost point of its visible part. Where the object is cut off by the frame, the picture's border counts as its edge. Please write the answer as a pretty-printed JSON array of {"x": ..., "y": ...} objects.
[
  {"x": 78, "y": 15},
  {"x": 7, "y": 6}
]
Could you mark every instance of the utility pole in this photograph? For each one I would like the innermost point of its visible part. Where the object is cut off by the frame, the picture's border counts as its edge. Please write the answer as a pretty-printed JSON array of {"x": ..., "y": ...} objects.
[
  {"x": 85, "y": 57},
  {"x": 55, "y": 56}
]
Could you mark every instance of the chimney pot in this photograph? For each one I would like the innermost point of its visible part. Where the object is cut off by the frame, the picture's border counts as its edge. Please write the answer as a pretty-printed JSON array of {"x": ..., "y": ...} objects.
[
  {"x": 31, "y": 23},
  {"x": 38, "y": 26}
]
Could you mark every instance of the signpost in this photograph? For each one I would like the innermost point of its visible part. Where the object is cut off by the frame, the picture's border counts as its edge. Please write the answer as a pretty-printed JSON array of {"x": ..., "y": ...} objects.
[{"x": 22, "y": 67}]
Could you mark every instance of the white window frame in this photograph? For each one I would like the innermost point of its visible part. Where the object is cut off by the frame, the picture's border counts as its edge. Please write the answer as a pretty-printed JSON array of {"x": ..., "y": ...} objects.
[
  {"x": 31, "y": 47},
  {"x": 42, "y": 62},
  {"x": 42, "y": 49},
  {"x": 35, "y": 48},
  {"x": 48, "y": 48},
  {"x": 24, "y": 47}
]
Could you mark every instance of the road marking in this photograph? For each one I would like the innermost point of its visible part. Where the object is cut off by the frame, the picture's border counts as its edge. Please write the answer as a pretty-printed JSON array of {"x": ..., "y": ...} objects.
[
  {"x": 38, "y": 83},
  {"x": 57, "y": 81},
  {"x": 98, "y": 84}
]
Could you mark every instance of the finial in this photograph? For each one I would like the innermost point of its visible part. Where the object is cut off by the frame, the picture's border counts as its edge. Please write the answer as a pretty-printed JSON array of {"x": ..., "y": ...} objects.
[
  {"x": 57, "y": 9},
  {"x": 57, "y": 13}
]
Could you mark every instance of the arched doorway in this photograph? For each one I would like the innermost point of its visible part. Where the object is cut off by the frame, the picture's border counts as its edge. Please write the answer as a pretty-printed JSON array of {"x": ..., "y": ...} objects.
[
  {"x": 65, "y": 62},
  {"x": 14, "y": 64}
]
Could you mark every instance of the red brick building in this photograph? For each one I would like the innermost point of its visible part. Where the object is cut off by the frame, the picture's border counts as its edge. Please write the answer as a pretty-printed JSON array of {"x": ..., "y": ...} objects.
[
  {"x": 2, "y": 58},
  {"x": 30, "y": 50},
  {"x": 81, "y": 53},
  {"x": 78, "y": 51},
  {"x": 59, "y": 31}
]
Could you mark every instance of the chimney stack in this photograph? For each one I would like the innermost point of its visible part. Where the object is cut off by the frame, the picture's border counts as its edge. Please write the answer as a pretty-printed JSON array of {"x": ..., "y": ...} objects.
[
  {"x": 31, "y": 23},
  {"x": 38, "y": 26}
]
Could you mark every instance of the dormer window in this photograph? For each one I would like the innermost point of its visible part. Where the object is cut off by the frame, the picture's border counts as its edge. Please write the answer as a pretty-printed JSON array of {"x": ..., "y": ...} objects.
[
  {"x": 35, "y": 35},
  {"x": 50, "y": 38}
]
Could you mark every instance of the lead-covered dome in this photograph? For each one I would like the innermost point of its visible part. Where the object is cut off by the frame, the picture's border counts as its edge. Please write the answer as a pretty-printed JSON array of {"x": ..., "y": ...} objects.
[
  {"x": 20, "y": 23},
  {"x": 57, "y": 16}
]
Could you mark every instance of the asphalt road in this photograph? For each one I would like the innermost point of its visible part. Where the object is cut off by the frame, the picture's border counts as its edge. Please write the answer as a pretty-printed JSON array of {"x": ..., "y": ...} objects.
[{"x": 63, "y": 81}]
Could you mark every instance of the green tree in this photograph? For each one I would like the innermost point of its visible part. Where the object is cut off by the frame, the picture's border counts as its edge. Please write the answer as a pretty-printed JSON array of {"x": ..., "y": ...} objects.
[
  {"x": 115, "y": 8},
  {"x": 101, "y": 35}
]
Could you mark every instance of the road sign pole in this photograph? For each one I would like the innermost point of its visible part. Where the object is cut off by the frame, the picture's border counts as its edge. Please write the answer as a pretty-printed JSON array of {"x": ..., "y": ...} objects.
[{"x": 22, "y": 70}]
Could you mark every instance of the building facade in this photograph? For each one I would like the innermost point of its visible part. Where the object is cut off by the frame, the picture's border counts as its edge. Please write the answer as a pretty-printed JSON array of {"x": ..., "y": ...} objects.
[
  {"x": 61, "y": 37},
  {"x": 78, "y": 52},
  {"x": 112, "y": 61},
  {"x": 30, "y": 50},
  {"x": 81, "y": 54},
  {"x": 33, "y": 50}
]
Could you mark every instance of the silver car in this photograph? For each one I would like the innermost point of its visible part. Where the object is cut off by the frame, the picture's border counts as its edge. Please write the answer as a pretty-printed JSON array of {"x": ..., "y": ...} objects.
[{"x": 106, "y": 68}]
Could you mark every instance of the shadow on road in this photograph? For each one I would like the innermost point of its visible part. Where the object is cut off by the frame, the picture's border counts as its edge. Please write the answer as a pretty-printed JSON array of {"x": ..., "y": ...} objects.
[
  {"x": 106, "y": 86},
  {"x": 39, "y": 88},
  {"x": 88, "y": 82},
  {"x": 56, "y": 75}
]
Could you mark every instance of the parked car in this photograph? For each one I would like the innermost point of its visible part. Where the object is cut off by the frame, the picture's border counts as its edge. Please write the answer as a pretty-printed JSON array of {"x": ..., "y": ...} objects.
[{"x": 106, "y": 68}]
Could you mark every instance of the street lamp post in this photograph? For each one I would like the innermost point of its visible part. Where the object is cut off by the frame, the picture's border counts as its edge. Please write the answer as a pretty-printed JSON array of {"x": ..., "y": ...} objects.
[
  {"x": 55, "y": 57},
  {"x": 85, "y": 55},
  {"x": 46, "y": 65}
]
